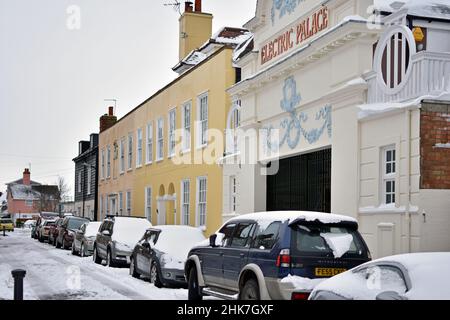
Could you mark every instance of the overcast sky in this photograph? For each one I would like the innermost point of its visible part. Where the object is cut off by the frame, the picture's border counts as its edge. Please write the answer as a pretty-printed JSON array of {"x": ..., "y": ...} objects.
[{"x": 54, "y": 79}]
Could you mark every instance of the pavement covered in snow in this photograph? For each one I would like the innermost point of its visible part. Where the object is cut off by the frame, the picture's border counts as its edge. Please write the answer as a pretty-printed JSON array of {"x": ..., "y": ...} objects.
[{"x": 55, "y": 274}]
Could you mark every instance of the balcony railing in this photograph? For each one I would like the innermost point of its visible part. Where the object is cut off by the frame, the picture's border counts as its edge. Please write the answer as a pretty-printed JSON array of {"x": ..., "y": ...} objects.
[{"x": 429, "y": 75}]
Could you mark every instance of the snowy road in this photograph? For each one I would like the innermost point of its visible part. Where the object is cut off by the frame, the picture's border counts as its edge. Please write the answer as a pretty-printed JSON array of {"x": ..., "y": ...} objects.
[{"x": 57, "y": 274}]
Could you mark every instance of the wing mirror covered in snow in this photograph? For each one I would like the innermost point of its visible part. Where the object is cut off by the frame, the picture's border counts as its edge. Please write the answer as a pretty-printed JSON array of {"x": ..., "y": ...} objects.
[
  {"x": 106, "y": 233},
  {"x": 216, "y": 240}
]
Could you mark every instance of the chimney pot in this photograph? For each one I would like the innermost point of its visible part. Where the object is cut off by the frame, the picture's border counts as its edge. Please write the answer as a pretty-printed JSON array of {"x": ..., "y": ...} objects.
[
  {"x": 198, "y": 5},
  {"x": 111, "y": 111},
  {"x": 26, "y": 177},
  {"x": 188, "y": 6}
]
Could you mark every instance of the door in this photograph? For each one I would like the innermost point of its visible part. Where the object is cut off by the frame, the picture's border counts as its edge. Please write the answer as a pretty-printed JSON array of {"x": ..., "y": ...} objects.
[
  {"x": 113, "y": 206},
  {"x": 102, "y": 240},
  {"x": 212, "y": 258},
  {"x": 161, "y": 210},
  {"x": 302, "y": 183},
  {"x": 236, "y": 254}
]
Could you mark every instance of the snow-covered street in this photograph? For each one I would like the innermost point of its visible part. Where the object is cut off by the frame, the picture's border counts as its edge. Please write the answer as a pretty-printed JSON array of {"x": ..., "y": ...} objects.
[{"x": 57, "y": 274}]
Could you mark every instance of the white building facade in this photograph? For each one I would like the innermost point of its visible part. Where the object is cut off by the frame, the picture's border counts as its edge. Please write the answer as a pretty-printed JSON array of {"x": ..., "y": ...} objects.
[{"x": 340, "y": 102}]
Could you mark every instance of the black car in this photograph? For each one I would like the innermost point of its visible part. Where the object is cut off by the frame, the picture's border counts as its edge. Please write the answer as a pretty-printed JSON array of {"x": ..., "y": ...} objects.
[
  {"x": 66, "y": 231},
  {"x": 270, "y": 255},
  {"x": 162, "y": 252}
]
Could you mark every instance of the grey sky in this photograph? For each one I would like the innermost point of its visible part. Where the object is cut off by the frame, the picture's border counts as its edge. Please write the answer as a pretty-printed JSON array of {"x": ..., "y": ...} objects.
[{"x": 53, "y": 80}]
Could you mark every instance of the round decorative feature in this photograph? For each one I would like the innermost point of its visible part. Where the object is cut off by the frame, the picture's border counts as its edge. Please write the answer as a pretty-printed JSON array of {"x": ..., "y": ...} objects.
[{"x": 393, "y": 58}]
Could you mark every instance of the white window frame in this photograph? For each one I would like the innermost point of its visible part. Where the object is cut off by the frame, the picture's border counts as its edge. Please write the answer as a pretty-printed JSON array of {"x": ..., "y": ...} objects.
[
  {"x": 233, "y": 194},
  {"x": 185, "y": 206},
  {"x": 199, "y": 203},
  {"x": 139, "y": 147},
  {"x": 171, "y": 127},
  {"x": 148, "y": 203},
  {"x": 122, "y": 155},
  {"x": 160, "y": 137},
  {"x": 130, "y": 152},
  {"x": 389, "y": 177},
  {"x": 103, "y": 164},
  {"x": 202, "y": 124},
  {"x": 149, "y": 150},
  {"x": 89, "y": 180},
  {"x": 120, "y": 205},
  {"x": 186, "y": 125},
  {"x": 29, "y": 203},
  {"x": 108, "y": 162},
  {"x": 128, "y": 203}
]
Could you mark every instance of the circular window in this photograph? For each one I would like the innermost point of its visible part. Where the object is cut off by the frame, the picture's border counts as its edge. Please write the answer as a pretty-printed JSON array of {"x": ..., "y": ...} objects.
[{"x": 392, "y": 60}]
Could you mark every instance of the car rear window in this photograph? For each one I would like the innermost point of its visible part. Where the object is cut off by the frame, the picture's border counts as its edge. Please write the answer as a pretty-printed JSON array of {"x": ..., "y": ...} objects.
[
  {"x": 326, "y": 241},
  {"x": 5, "y": 221},
  {"x": 75, "y": 223}
]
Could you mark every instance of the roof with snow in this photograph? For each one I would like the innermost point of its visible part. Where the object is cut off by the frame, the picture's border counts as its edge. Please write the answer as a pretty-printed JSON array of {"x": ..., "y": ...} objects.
[
  {"x": 33, "y": 192},
  {"x": 20, "y": 181},
  {"x": 437, "y": 9},
  {"x": 226, "y": 36}
]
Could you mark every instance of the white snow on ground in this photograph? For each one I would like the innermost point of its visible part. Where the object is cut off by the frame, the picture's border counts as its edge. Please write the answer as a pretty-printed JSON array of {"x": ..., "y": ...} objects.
[
  {"x": 300, "y": 283},
  {"x": 339, "y": 243},
  {"x": 57, "y": 274}
]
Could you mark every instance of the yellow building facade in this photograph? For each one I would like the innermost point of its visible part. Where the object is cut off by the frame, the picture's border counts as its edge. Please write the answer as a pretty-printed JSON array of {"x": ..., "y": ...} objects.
[{"x": 160, "y": 160}]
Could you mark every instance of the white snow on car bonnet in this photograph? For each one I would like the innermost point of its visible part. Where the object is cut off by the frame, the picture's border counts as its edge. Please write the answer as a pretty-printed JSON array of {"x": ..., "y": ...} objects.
[{"x": 129, "y": 230}]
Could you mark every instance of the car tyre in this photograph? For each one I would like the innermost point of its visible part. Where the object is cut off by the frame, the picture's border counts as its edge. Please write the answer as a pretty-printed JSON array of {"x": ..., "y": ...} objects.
[
  {"x": 109, "y": 259},
  {"x": 74, "y": 252},
  {"x": 96, "y": 258},
  {"x": 64, "y": 247},
  {"x": 58, "y": 245},
  {"x": 193, "y": 287},
  {"x": 82, "y": 252},
  {"x": 155, "y": 277},
  {"x": 250, "y": 291},
  {"x": 41, "y": 239},
  {"x": 133, "y": 271}
]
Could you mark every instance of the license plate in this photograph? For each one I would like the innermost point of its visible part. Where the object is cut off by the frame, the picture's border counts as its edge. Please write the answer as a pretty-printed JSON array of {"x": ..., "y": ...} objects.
[{"x": 328, "y": 272}]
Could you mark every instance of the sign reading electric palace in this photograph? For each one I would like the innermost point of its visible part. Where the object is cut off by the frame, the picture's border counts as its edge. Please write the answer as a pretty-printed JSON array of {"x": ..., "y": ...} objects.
[{"x": 296, "y": 35}]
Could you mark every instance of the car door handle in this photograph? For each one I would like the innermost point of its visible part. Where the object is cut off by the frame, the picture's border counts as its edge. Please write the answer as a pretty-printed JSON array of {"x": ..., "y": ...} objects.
[{"x": 242, "y": 255}]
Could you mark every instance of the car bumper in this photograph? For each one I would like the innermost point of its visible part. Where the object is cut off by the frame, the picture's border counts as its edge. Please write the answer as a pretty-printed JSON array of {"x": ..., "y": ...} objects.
[
  {"x": 281, "y": 290},
  {"x": 122, "y": 256},
  {"x": 173, "y": 276}
]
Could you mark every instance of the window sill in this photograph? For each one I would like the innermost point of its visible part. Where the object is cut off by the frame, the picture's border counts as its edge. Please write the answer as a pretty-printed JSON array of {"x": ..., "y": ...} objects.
[
  {"x": 183, "y": 152},
  {"x": 387, "y": 209},
  {"x": 149, "y": 163},
  {"x": 203, "y": 146},
  {"x": 138, "y": 167},
  {"x": 129, "y": 170},
  {"x": 159, "y": 160}
]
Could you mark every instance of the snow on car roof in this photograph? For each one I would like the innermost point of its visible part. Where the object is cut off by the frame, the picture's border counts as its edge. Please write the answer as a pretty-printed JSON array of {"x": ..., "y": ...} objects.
[{"x": 294, "y": 215}]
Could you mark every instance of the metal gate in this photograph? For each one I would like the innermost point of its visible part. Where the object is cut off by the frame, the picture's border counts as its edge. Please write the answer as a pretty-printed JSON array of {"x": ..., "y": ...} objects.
[{"x": 302, "y": 183}]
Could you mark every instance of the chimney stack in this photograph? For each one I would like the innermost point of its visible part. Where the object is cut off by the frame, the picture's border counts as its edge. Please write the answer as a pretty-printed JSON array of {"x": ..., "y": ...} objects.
[
  {"x": 188, "y": 6},
  {"x": 26, "y": 177},
  {"x": 198, "y": 5},
  {"x": 108, "y": 120}
]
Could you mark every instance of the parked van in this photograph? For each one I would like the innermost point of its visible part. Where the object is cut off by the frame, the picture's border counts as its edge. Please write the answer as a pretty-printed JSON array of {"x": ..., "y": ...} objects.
[{"x": 274, "y": 255}]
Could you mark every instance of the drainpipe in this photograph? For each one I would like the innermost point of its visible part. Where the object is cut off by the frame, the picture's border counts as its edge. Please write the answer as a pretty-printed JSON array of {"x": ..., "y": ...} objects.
[{"x": 408, "y": 177}]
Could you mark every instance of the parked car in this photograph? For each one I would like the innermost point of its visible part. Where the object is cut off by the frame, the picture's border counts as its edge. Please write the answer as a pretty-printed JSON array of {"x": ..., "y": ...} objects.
[
  {"x": 53, "y": 232},
  {"x": 29, "y": 224},
  {"x": 414, "y": 276},
  {"x": 45, "y": 229},
  {"x": 162, "y": 252},
  {"x": 40, "y": 221},
  {"x": 261, "y": 255},
  {"x": 116, "y": 239},
  {"x": 83, "y": 243},
  {"x": 66, "y": 231},
  {"x": 6, "y": 224}
]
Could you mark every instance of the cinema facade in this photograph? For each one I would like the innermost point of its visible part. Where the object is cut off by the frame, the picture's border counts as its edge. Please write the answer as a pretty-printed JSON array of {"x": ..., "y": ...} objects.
[{"x": 354, "y": 104}]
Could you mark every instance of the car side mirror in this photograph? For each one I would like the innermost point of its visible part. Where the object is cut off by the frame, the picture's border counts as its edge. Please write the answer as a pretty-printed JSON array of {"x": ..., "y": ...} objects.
[
  {"x": 212, "y": 240},
  {"x": 390, "y": 295},
  {"x": 146, "y": 245},
  {"x": 215, "y": 240},
  {"x": 106, "y": 233}
]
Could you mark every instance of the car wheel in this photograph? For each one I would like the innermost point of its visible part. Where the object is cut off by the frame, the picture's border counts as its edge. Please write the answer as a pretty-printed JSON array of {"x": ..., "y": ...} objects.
[
  {"x": 58, "y": 245},
  {"x": 96, "y": 258},
  {"x": 82, "y": 253},
  {"x": 109, "y": 259},
  {"x": 64, "y": 244},
  {"x": 250, "y": 291},
  {"x": 40, "y": 239},
  {"x": 133, "y": 271},
  {"x": 193, "y": 287},
  {"x": 155, "y": 277},
  {"x": 74, "y": 252}
]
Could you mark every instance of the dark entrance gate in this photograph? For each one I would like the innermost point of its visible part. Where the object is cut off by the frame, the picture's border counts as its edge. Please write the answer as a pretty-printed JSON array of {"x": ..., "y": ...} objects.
[{"x": 302, "y": 183}]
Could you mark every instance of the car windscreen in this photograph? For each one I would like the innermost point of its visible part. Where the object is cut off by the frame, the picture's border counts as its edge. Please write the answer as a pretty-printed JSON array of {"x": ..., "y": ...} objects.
[
  {"x": 326, "y": 240},
  {"x": 92, "y": 229},
  {"x": 75, "y": 224}
]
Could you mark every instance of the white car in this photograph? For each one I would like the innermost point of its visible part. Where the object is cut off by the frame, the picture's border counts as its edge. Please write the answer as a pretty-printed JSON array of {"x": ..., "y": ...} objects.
[
  {"x": 415, "y": 276},
  {"x": 29, "y": 224}
]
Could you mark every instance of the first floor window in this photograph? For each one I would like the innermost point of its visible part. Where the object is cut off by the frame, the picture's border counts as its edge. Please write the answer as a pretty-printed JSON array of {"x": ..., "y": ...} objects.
[
  {"x": 185, "y": 201},
  {"x": 139, "y": 148},
  {"x": 89, "y": 178},
  {"x": 120, "y": 203},
  {"x": 202, "y": 131},
  {"x": 108, "y": 162},
  {"x": 172, "y": 125},
  {"x": 160, "y": 151},
  {"x": 148, "y": 203},
  {"x": 130, "y": 151},
  {"x": 129, "y": 203},
  {"x": 103, "y": 164},
  {"x": 187, "y": 126},
  {"x": 201, "y": 200},
  {"x": 79, "y": 181},
  {"x": 29, "y": 203},
  {"x": 122, "y": 155},
  {"x": 149, "y": 143},
  {"x": 389, "y": 174},
  {"x": 233, "y": 193}
]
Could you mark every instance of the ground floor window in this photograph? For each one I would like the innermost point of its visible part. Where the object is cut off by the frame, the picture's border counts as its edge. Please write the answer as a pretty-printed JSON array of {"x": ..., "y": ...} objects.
[
  {"x": 120, "y": 203},
  {"x": 185, "y": 201},
  {"x": 201, "y": 200},
  {"x": 129, "y": 203},
  {"x": 302, "y": 183},
  {"x": 148, "y": 203}
]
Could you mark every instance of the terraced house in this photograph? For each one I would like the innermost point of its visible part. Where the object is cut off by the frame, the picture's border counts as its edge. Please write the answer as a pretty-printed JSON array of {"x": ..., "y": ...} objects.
[{"x": 159, "y": 160}]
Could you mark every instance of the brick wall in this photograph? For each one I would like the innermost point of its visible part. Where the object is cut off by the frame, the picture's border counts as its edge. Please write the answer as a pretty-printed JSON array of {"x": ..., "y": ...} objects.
[{"x": 435, "y": 160}]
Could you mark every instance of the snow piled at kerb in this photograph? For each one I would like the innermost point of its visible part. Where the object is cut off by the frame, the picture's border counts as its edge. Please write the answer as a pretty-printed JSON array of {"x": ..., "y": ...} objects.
[
  {"x": 129, "y": 231},
  {"x": 176, "y": 242}
]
